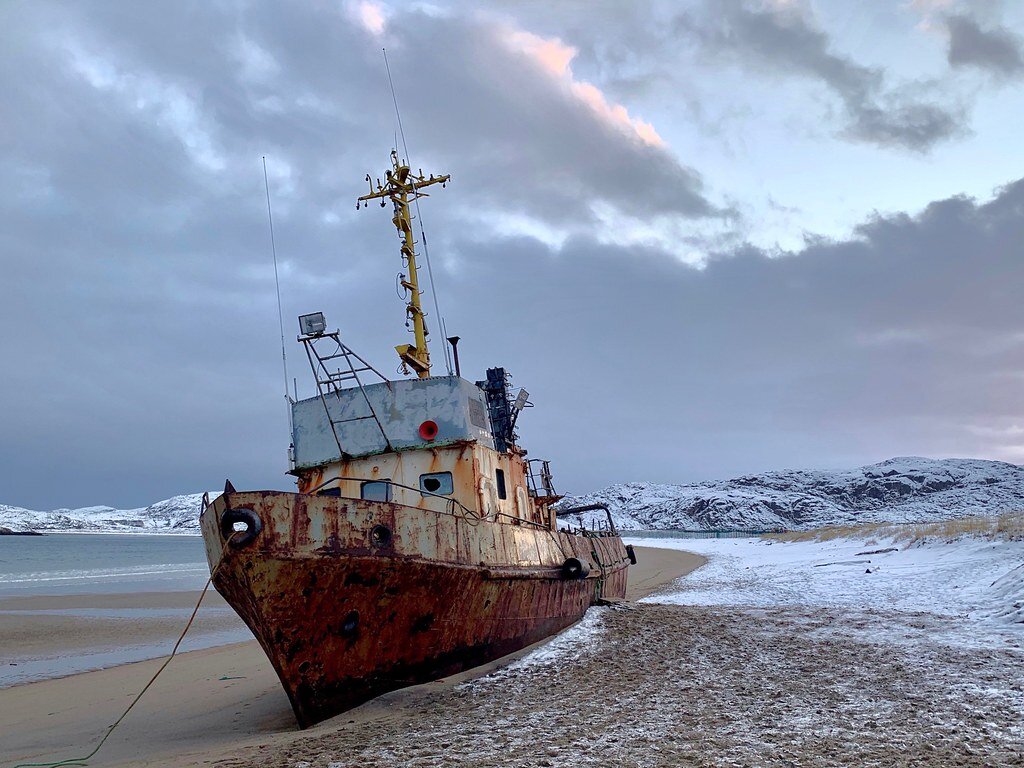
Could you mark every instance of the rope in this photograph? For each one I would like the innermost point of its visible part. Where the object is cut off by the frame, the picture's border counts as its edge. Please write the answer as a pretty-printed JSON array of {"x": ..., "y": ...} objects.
[
  {"x": 280, "y": 312},
  {"x": 83, "y": 760}
]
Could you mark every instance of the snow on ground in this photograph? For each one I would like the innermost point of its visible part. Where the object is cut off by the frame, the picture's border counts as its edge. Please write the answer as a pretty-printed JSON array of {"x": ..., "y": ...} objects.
[
  {"x": 570, "y": 647},
  {"x": 759, "y": 658},
  {"x": 978, "y": 581}
]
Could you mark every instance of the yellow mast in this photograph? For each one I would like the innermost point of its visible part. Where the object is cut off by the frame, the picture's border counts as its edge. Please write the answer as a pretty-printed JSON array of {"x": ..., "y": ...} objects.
[{"x": 402, "y": 187}]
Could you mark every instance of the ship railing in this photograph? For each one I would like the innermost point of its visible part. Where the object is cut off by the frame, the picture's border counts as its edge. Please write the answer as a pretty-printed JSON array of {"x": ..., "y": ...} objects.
[
  {"x": 452, "y": 507},
  {"x": 598, "y": 527}
]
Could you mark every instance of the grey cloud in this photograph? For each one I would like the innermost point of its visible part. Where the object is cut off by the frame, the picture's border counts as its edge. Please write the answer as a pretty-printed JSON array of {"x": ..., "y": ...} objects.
[
  {"x": 652, "y": 51},
  {"x": 995, "y": 50},
  {"x": 644, "y": 51},
  {"x": 649, "y": 49},
  {"x": 913, "y": 126},
  {"x": 137, "y": 293},
  {"x": 531, "y": 129},
  {"x": 787, "y": 42},
  {"x": 140, "y": 329},
  {"x": 903, "y": 339}
]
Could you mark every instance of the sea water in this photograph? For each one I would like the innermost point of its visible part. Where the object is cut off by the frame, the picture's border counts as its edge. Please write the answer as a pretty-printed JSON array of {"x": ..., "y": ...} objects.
[
  {"x": 69, "y": 564},
  {"x": 89, "y": 564}
]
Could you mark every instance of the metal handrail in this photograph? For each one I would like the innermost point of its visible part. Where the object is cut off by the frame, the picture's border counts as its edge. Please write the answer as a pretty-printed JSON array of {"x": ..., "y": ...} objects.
[{"x": 589, "y": 508}]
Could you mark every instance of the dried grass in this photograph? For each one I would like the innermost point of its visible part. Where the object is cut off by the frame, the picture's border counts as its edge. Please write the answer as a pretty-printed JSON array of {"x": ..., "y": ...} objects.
[{"x": 1009, "y": 525}]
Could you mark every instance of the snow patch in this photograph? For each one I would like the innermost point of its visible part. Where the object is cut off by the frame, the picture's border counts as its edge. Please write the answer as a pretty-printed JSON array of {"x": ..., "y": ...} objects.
[
  {"x": 978, "y": 582},
  {"x": 571, "y": 646}
]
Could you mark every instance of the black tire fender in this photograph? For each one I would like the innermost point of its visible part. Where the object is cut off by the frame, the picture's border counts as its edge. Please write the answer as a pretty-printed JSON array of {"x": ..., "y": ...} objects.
[
  {"x": 574, "y": 568},
  {"x": 631, "y": 554},
  {"x": 240, "y": 538}
]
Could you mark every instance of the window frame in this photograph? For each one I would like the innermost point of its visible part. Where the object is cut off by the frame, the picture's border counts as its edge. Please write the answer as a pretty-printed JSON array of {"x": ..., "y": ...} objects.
[
  {"x": 386, "y": 482},
  {"x": 440, "y": 491}
]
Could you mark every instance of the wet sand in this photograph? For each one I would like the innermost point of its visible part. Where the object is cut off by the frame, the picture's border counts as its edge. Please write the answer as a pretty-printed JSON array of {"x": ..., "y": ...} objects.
[
  {"x": 209, "y": 705},
  {"x": 47, "y": 636}
]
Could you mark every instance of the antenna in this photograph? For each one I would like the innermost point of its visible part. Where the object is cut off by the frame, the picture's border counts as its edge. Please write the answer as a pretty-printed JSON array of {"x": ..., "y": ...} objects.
[
  {"x": 280, "y": 313},
  {"x": 423, "y": 234}
]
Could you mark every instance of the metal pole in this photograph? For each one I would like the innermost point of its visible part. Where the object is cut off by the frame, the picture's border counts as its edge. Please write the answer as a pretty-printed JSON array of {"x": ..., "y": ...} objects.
[{"x": 454, "y": 341}]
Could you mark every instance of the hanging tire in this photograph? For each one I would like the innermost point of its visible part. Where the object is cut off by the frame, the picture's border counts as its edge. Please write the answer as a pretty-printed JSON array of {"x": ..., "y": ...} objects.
[
  {"x": 631, "y": 554},
  {"x": 573, "y": 568},
  {"x": 240, "y": 537}
]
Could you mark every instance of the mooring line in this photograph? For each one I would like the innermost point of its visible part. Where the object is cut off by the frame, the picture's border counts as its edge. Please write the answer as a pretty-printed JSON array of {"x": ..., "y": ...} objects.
[{"x": 84, "y": 760}]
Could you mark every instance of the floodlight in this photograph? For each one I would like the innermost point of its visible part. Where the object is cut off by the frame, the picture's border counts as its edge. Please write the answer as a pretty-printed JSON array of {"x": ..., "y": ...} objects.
[
  {"x": 521, "y": 401},
  {"x": 312, "y": 324}
]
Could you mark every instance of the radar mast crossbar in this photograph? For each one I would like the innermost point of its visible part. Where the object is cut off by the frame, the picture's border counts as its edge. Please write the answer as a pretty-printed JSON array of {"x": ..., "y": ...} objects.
[{"x": 402, "y": 187}]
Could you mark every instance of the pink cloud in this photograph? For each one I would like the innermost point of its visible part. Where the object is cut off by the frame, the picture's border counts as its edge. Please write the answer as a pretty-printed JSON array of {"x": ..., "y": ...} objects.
[
  {"x": 555, "y": 58},
  {"x": 370, "y": 15}
]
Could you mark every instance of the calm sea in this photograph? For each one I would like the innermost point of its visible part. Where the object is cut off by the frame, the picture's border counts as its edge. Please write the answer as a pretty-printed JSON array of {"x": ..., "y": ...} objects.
[
  {"x": 87, "y": 564},
  {"x": 64, "y": 564}
]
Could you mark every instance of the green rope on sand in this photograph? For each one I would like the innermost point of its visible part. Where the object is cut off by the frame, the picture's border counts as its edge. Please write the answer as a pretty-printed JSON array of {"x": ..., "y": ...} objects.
[{"x": 84, "y": 760}]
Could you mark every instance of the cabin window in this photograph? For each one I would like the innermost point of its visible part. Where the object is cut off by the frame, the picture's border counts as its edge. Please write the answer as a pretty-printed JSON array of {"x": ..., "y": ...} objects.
[
  {"x": 439, "y": 483},
  {"x": 499, "y": 479},
  {"x": 375, "y": 490},
  {"x": 329, "y": 492}
]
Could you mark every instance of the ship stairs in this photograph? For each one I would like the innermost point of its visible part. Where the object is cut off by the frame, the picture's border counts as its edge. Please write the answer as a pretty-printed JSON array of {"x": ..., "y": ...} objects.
[{"x": 541, "y": 482}]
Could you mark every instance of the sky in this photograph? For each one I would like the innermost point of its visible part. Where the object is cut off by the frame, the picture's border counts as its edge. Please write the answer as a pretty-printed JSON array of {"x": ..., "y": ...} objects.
[{"x": 710, "y": 237}]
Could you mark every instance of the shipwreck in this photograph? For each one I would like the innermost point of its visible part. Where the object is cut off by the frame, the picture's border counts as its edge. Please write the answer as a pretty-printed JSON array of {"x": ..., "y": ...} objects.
[{"x": 421, "y": 540}]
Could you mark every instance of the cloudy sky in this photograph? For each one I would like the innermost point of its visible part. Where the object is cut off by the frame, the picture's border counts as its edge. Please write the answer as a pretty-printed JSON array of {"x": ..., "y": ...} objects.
[{"x": 710, "y": 238}]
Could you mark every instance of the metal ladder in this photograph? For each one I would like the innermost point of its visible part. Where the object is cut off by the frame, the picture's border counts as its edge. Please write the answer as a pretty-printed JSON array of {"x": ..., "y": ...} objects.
[{"x": 331, "y": 382}]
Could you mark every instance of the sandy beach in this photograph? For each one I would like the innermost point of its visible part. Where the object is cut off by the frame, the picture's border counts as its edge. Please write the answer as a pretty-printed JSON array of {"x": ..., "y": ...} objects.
[
  {"x": 758, "y": 658},
  {"x": 209, "y": 705}
]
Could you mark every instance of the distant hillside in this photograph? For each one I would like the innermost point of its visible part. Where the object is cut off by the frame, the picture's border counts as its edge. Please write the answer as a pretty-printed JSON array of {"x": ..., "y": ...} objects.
[
  {"x": 179, "y": 514},
  {"x": 898, "y": 490}
]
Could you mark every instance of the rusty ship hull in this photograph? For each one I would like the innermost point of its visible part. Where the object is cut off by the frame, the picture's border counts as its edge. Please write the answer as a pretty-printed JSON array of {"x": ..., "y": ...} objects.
[{"x": 352, "y": 598}]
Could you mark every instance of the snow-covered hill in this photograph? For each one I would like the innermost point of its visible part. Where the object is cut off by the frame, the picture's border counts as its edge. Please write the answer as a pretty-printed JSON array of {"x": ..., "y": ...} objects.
[
  {"x": 898, "y": 490},
  {"x": 179, "y": 514}
]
